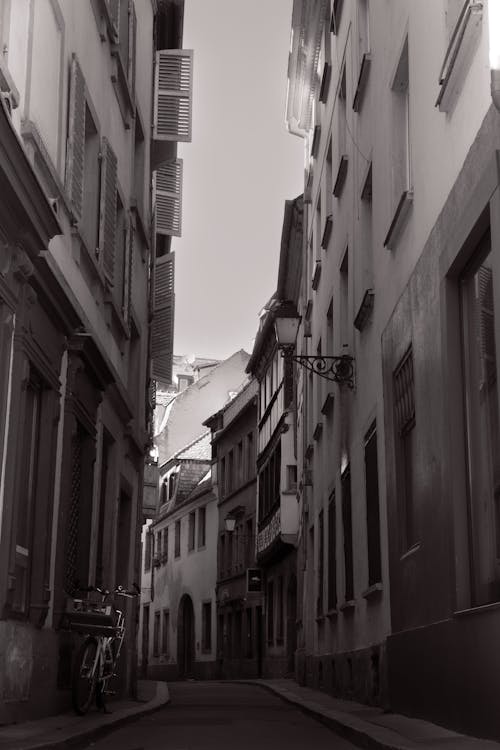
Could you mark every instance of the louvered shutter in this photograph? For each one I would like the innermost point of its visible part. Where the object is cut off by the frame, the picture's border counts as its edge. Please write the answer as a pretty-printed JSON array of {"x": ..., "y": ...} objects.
[
  {"x": 75, "y": 151},
  {"x": 129, "y": 271},
  {"x": 168, "y": 198},
  {"x": 132, "y": 42},
  {"x": 114, "y": 12},
  {"x": 107, "y": 215},
  {"x": 487, "y": 322},
  {"x": 163, "y": 318},
  {"x": 173, "y": 95}
]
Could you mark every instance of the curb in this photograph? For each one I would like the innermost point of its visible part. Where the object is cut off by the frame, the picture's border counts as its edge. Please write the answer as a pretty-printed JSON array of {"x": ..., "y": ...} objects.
[
  {"x": 76, "y": 736},
  {"x": 361, "y": 733}
]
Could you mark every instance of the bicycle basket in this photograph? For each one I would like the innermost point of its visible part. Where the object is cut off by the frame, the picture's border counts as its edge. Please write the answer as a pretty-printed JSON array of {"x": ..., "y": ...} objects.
[{"x": 90, "y": 618}]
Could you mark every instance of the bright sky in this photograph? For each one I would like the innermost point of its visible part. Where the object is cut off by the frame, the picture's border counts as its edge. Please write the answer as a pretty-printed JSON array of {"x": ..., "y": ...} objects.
[{"x": 239, "y": 169}]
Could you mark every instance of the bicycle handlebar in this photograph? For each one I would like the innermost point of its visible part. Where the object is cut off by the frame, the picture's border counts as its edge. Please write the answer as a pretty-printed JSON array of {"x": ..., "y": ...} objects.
[{"x": 120, "y": 590}]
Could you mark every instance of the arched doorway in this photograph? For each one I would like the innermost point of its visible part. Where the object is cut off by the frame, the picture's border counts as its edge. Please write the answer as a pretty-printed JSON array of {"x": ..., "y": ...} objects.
[
  {"x": 291, "y": 624},
  {"x": 185, "y": 637}
]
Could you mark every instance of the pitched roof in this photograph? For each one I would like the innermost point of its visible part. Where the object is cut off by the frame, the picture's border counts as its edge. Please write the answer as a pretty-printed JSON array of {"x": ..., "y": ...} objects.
[{"x": 199, "y": 450}]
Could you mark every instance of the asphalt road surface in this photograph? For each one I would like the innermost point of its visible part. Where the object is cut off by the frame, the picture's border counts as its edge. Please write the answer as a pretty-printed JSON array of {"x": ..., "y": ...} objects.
[{"x": 225, "y": 716}]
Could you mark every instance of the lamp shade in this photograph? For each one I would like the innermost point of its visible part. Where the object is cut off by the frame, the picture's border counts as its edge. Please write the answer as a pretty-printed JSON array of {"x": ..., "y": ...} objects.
[
  {"x": 286, "y": 330},
  {"x": 230, "y": 523}
]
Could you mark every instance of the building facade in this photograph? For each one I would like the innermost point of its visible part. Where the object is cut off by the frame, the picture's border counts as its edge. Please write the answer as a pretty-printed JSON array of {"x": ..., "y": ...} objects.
[
  {"x": 177, "y": 629},
  {"x": 76, "y": 83},
  {"x": 240, "y": 647},
  {"x": 278, "y": 508},
  {"x": 400, "y": 256}
]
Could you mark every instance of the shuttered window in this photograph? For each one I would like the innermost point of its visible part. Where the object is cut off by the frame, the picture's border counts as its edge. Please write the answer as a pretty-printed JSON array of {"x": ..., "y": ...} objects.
[
  {"x": 163, "y": 320},
  {"x": 128, "y": 271},
  {"x": 168, "y": 198},
  {"x": 75, "y": 152},
  {"x": 173, "y": 95},
  {"x": 107, "y": 214},
  {"x": 132, "y": 45}
]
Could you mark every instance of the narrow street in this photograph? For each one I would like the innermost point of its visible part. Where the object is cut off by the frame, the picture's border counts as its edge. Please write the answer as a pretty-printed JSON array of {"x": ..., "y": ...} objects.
[{"x": 220, "y": 715}]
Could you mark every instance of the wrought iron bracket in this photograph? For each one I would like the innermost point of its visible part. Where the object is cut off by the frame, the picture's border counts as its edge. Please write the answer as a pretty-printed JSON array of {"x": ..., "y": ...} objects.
[{"x": 338, "y": 369}]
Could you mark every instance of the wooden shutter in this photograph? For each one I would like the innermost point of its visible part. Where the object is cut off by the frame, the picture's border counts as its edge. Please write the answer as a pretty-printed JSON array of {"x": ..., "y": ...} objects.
[
  {"x": 168, "y": 198},
  {"x": 75, "y": 151},
  {"x": 173, "y": 95},
  {"x": 163, "y": 318},
  {"x": 128, "y": 271},
  {"x": 114, "y": 12},
  {"x": 486, "y": 322},
  {"x": 107, "y": 214},
  {"x": 132, "y": 43}
]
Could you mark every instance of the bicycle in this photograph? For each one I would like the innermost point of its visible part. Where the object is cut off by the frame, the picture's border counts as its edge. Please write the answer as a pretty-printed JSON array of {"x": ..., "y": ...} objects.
[{"x": 104, "y": 629}]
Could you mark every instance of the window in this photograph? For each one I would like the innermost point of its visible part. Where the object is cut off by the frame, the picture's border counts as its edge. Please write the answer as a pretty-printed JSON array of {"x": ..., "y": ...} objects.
[
  {"x": 250, "y": 456},
  {"x": 148, "y": 551},
  {"x": 291, "y": 477},
  {"x": 270, "y": 612},
  {"x": 172, "y": 485},
  {"x": 332, "y": 554},
  {"x": 237, "y": 634},
  {"x": 165, "y": 636},
  {"x": 321, "y": 552},
  {"x": 222, "y": 485},
  {"x": 229, "y": 559},
  {"x": 202, "y": 526},
  {"x": 222, "y": 558},
  {"x": 347, "y": 529},
  {"x": 191, "y": 531},
  {"x": 249, "y": 542},
  {"x": 240, "y": 462},
  {"x": 344, "y": 299},
  {"x": 483, "y": 433},
  {"x": 372, "y": 506},
  {"x": 400, "y": 142},
  {"x": 156, "y": 634},
  {"x": 121, "y": 258},
  {"x": 249, "y": 633},
  {"x": 229, "y": 631},
  {"x": 177, "y": 541},
  {"x": 139, "y": 166},
  {"x": 206, "y": 626},
  {"x": 342, "y": 116},
  {"x": 230, "y": 472},
  {"x": 27, "y": 495},
  {"x": 280, "y": 611},
  {"x": 404, "y": 404},
  {"x": 164, "y": 554},
  {"x": 364, "y": 273},
  {"x": 90, "y": 218},
  {"x": 336, "y": 13},
  {"x": 363, "y": 27}
]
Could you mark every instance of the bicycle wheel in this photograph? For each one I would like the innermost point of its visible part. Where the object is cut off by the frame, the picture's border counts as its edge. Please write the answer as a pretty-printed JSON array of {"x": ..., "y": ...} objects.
[{"x": 85, "y": 673}]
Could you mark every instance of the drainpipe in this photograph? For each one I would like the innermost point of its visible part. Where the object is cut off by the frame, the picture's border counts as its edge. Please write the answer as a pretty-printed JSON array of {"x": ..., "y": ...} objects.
[{"x": 494, "y": 35}]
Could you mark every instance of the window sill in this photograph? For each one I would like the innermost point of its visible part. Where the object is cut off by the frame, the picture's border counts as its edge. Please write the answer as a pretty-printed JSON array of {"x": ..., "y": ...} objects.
[
  {"x": 327, "y": 406},
  {"x": 341, "y": 176},
  {"x": 479, "y": 610},
  {"x": 121, "y": 87},
  {"x": 332, "y": 614},
  {"x": 411, "y": 551},
  {"x": 399, "y": 219},
  {"x": 348, "y": 606},
  {"x": 51, "y": 178},
  {"x": 373, "y": 592},
  {"x": 364, "y": 313},
  {"x": 463, "y": 45},
  {"x": 364, "y": 71},
  {"x": 7, "y": 84},
  {"x": 320, "y": 619}
]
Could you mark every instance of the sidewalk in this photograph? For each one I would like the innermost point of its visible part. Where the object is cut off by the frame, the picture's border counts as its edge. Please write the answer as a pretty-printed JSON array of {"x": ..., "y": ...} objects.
[
  {"x": 62, "y": 730},
  {"x": 370, "y": 727}
]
